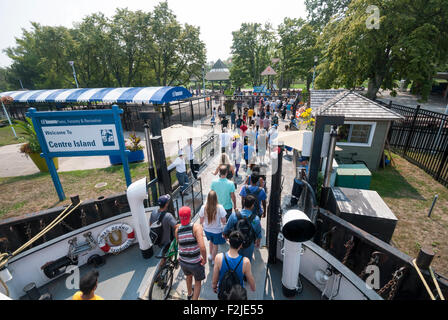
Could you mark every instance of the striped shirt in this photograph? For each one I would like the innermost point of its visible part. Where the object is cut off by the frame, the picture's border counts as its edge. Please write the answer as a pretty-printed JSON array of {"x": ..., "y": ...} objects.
[{"x": 189, "y": 250}]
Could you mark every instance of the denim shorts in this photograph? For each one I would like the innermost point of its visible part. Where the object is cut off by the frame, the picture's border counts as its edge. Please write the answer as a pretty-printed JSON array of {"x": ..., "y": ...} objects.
[
  {"x": 215, "y": 238},
  {"x": 196, "y": 270}
]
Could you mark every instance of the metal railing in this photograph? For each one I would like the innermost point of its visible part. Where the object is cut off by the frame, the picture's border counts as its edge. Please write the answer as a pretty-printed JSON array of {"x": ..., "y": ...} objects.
[{"x": 421, "y": 138}]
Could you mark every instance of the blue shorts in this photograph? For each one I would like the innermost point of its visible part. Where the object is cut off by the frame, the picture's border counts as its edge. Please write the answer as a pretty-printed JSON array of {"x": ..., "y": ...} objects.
[{"x": 215, "y": 238}]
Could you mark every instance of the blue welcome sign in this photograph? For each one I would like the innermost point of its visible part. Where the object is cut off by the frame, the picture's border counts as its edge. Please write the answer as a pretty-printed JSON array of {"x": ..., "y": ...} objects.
[{"x": 79, "y": 133}]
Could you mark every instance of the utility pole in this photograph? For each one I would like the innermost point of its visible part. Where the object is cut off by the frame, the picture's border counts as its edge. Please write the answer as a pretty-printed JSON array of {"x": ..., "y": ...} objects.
[
  {"x": 203, "y": 80},
  {"x": 72, "y": 63},
  {"x": 314, "y": 72}
]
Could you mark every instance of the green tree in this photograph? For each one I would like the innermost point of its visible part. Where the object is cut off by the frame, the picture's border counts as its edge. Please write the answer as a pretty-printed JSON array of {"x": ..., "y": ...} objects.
[
  {"x": 129, "y": 49},
  {"x": 176, "y": 52},
  {"x": 321, "y": 11},
  {"x": 90, "y": 51},
  {"x": 297, "y": 45},
  {"x": 40, "y": 59},
  {"x": 252, "y": 49},
  {"x": 4, "y": 85},
  {"x": 409, "y": 44}
]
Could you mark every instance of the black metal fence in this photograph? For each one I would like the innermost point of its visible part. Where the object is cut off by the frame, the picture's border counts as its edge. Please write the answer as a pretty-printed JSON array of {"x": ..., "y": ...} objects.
[
  {"x": 180, "y": 112},
  {"x": 422, "y": 139}
]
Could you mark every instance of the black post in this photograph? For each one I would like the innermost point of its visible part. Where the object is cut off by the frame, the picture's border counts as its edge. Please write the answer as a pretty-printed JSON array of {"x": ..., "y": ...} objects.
[
  {"x": 442, "y": 164},
  {"x": 411, "y": 130},
  {"x": 274, "y": 212},
  {"x": 152, "y": 173},
  {"x": 192, "y": 111},
  {"x": 318, "y": 138},
  {"x": 163, "y": 177}
]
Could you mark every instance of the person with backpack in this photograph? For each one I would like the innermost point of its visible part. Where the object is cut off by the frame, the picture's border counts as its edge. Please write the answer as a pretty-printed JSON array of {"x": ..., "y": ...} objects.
[
  {"x": 225, "y": 190},
  {"x": 257, "y": 192},
  {"x": 231, "y": 268},
  {"x": 162, "y": 225},
  {"x": 248, "y": 223}
]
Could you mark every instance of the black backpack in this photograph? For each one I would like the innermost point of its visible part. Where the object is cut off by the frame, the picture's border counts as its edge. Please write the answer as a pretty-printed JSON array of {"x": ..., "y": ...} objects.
[
  {"x": 229, "y": 279},
  {"x": 257, "y": 202},
  {"x": 244, "y": 225},
  {"x": 156, "y": 231}
]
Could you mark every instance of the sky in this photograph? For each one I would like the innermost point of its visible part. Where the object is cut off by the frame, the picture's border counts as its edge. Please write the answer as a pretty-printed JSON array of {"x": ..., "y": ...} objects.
[{"x": 216, "y": 19}]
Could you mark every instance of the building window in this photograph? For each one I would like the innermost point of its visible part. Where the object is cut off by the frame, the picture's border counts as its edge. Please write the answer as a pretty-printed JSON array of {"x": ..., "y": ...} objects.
[{"x": 356, "y": 134}]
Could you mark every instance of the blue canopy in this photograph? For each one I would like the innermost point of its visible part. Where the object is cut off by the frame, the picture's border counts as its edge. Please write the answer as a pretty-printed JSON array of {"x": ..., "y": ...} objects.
[{"x": 139, "y": 95}]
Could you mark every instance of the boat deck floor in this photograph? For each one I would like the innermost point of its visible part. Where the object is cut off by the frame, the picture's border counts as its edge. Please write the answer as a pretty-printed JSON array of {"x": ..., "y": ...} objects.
[{"x": 127, "y": 276}]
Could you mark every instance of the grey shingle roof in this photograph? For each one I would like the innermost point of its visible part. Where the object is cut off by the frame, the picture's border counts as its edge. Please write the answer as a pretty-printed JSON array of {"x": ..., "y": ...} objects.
[
  {"x": 217, "y": 76},
  {"x": 319, "y": 97},
  {"x": 219, "y": 72},
  {"x": 219, "y": 65},
  {"x": 354, "y": 106}
]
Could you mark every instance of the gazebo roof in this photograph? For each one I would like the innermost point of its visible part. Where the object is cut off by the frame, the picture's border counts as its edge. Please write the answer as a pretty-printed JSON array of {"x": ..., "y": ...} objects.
[
  {"x": 219, "y": 72},
  {"x": 269, "y": 72},
  {"x": 354, "y": 106}
]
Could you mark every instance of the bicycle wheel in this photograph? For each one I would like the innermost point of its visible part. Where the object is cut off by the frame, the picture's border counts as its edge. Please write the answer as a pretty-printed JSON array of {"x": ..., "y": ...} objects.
[{"x": 161, "y": 283}]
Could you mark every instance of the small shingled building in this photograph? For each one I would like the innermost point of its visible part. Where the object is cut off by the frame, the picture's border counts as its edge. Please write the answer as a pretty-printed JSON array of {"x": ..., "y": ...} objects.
[{"x": 365, "y": 127}]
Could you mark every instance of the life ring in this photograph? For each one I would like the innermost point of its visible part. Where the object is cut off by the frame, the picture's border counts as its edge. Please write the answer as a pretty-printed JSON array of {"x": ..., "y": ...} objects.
[{"x": 113, "y": 229}]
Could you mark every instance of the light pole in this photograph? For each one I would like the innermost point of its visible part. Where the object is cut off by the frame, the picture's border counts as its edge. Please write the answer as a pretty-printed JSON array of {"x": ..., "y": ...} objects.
[
  {"x": 72, "y": 63},
  {"x": 314, "y": 72},
  {"x": 203, "y": 80}
]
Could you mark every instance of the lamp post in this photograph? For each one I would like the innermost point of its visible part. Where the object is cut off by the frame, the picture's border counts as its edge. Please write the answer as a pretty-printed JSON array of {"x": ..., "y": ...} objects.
[
  {"x": 203, "y": 80},
  {"x": 72, "y": 63},
  {"x": 314, "y": 72}
]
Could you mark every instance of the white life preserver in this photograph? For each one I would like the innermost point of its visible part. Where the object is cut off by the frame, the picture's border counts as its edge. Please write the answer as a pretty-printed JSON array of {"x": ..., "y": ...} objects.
[{"x": 102, "y": 243}]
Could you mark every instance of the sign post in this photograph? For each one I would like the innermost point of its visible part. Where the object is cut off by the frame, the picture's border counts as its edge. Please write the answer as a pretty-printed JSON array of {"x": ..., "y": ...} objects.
[{"x": 79, "y": 133}]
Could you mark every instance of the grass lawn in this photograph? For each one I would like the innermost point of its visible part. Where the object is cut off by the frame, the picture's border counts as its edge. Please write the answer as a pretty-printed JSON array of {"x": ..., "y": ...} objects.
[
  {"x": 36, "y": 192},
  {"x": 409, "y": 192},
  {"x": 298, "y": 86},
  {"x": 7, "y": 136},
  {"x": 26, "y": 194}
]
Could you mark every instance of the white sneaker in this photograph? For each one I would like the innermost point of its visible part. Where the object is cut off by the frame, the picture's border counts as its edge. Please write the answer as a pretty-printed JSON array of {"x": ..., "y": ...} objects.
[{"x": 210, "y": 257}]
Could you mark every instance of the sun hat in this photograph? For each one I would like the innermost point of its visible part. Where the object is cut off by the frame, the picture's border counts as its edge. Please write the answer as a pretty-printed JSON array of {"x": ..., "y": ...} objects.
[
  {"x": 164, "y": 199},
  {"x": 237, "y": 136},
  {"x": 185, "y": 215}
]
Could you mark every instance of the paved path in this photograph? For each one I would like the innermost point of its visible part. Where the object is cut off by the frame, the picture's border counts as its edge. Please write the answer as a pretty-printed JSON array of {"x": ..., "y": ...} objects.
[
  {"x": 435, "y": 102},
  {"x": 259, "y": 263}
]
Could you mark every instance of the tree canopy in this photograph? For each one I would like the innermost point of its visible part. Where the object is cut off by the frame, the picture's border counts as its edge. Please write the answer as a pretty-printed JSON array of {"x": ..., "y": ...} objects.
[
  {"x": 132, "y": 48},
  {"x": 409, "y": 43},
  {"x": 252, "y": 49}
]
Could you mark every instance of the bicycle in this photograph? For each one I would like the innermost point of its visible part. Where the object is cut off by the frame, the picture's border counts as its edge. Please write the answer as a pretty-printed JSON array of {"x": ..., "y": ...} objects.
[{"x": 162, "y": 280}]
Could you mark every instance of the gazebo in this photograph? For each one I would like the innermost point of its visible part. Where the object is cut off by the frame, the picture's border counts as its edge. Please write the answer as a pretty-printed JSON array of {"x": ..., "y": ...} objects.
[
  {"x": 218, "y": 73},
  {"x": 269, "y": 72}
]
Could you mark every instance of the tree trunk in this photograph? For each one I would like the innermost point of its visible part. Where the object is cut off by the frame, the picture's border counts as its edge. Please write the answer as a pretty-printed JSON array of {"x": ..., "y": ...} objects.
[{"x": 374, "y": 86}]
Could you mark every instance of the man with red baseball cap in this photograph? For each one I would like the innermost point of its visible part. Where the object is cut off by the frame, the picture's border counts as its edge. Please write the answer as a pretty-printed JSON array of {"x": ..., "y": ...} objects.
[{"x": 192, "y": 252}]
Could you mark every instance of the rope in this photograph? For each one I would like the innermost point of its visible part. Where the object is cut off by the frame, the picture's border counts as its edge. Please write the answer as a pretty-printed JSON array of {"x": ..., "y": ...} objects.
[
  {"x": 426, "y": 284},
  {"x": 5, "y": 286},
  {"x": 437, "y": 284},
  {"x": 4, "y": 257}
]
